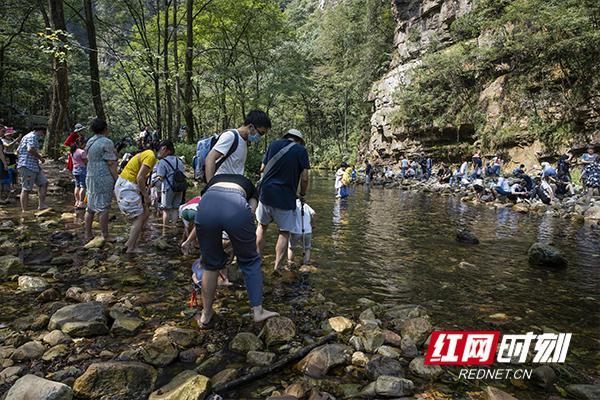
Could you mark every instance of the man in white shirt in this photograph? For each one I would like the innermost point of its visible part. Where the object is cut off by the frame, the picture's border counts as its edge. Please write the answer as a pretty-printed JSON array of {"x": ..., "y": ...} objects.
[{"x": 256, "y": 124}]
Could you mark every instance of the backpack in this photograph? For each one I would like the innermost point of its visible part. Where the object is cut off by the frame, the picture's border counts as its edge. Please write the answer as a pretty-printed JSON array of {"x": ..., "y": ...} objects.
[
  {"x": 204, "y": 147},
  {"x": 179, "y": 183}
]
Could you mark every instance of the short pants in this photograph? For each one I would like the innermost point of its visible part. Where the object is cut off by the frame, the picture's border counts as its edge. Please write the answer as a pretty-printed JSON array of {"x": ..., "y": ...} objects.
[
  {"x": 30, "y": 178},
  {"x": 79, "y": 175},
  {"x": 129, "y": 198},
  {"x": 170, "y": 200},
  {"x": 296, "y": 239},
  {"x": 285, "y": 219}
]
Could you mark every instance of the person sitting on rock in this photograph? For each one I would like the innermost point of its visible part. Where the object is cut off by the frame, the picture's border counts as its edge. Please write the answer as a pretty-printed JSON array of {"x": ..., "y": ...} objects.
[
  {"x": 520, "y": 170},
  {"x": 563, "y": 183},
  {"x": 518, "y": 191},
  {"x": 543, "y": 190},
  {"x": 547, "y": 170},
  {"x": 444, "y": 174}
]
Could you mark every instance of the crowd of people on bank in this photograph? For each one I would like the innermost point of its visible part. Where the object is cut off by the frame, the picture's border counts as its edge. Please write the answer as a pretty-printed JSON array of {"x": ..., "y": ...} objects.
[
  {"x": 228, "y": 219},
  {"x": 491, "y": 181}
]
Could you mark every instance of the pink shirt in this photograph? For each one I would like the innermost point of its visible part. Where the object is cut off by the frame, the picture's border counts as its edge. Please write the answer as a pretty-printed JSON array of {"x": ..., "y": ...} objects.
[{"x": 79, "y": 158}]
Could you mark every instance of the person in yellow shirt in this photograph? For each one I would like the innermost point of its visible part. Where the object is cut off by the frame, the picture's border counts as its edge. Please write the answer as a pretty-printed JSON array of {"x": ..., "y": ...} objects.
[{"x": 131, "y": 191}]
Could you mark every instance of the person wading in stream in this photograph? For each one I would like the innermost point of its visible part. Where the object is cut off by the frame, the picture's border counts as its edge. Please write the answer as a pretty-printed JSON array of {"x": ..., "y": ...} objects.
[
  {"x": 100, "y": 178},
  {"x": 234, "y": 197},
  {"x": 284, "y": 165},
  {"x": 131, "y": 191},
  {"x": 29, "y": 168}
]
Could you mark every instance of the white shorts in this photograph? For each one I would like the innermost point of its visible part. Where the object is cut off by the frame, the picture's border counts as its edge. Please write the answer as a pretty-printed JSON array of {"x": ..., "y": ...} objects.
[{"x": 129, "y": 198}]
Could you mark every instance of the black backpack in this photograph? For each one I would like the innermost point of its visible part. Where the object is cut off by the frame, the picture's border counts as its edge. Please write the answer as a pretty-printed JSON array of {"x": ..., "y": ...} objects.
[{"x": 179, "y": 183}]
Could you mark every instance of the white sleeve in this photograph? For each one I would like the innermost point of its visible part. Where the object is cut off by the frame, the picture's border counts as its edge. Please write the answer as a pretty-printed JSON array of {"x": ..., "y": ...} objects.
[
  {"x": 310, "y": 210},
  {"x": 224, "y": 142}
]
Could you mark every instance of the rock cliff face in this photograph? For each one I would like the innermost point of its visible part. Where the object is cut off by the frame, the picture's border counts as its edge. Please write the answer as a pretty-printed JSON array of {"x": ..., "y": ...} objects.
[{"x": 418, "y": 24}]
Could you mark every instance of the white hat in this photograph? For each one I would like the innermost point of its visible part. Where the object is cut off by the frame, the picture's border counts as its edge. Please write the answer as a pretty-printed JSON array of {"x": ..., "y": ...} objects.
[
  {"x": 295, "y": 132},
  {"x": 78, "y": 127}
]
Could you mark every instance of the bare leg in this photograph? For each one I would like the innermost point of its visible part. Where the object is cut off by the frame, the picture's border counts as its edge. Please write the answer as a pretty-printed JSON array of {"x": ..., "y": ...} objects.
[
  {"x": 165, "y": 217},
  {"x": 174, "y": 214},
  {"x": 76, "y": 196},
  {"x": 261, "y": 230},
  {"x": 103, "y": 219},
  {"x": 42, "y": 196},
  {"x": 209, "y": 286},
  {"x": 290, "y": 255},
  {"x": 136, "y": 231},
  {"x": 89, "y": 219},
  {"x": 281, "y": 248},
  {"x": 24, "y": 200}
]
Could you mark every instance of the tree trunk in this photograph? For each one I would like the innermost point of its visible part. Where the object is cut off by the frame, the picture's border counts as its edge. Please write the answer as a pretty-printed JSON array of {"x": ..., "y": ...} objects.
[
  {"x": 156, "y": 76},
  {"x": 94, "y": 71},
  {"x": 60, "y": 84},
  {"x": 166, "y": 74},
  {"x": 189, "y": 116},
  {"x": 177, "y": 80}
]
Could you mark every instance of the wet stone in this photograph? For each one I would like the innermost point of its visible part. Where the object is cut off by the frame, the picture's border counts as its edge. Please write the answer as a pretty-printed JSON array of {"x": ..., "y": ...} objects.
[
  {"x": 36, "y": 254},
  {"x": 278, "y": 330},
  {"x": 318, "y": 362},
  {"x": 260, "y": 358},
  {"x": 32, "y": 284},
  {"x": 188, "y": 385},
  {"x": 126, "y": 326},
  {"x": 29, "y": 351},
  {"x": 391, "y": 386},
  {"x": 389, "y": 351},
  {"x": 466, "y": 237},
  {"x": 183, "y": 338},
  {"x": 544, "y": 255},
  {"x": 224, "y": 376},
  {"x": 48, "y": 295},
  {"x": 190, "y": 355},
  {"x": 584, "y": 392},
  {"x": 211, "y": 365},
  {"x": 118, "y": 380},
  {"x": 408, "y": 348},
  {"x": 417, "y": 329},
  {"x": 544, "y": 376},
  {"x": 340, "y": 324},
  {"x": 56, "y": 337},
  {"x": 64, "y": 374},
  {"x": 10, "y": 265},
  {"x": 57, "y": 351},
  {"x": 391, "y": 338},
  {"x": 298, "y": 389},
  {"x": 380, "y": 365},
  {"x": 429, "y": 372},
  {"x": 244, "y": 342},
  {"x": 80, "y": 320},
  {"x": 34, "y": 387},
  {"x": 359, "y": 359},
  {"x": 160, "y": 352}
]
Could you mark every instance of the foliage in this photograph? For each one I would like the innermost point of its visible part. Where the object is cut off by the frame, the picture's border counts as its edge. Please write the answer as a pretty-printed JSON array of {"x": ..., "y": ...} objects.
[{"x": 548, "y": 50}]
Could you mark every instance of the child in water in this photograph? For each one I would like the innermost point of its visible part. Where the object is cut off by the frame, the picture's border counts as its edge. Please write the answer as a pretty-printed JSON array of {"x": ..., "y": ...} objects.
[{"x": 305, "y": 218}]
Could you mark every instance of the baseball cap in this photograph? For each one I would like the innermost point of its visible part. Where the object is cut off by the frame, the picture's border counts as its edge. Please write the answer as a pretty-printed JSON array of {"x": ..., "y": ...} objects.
[{"x": 296, "y": 133}]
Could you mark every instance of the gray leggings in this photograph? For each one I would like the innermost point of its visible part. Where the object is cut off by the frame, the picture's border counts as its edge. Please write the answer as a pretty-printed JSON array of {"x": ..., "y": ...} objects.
[{"x": 226, "y": 210}]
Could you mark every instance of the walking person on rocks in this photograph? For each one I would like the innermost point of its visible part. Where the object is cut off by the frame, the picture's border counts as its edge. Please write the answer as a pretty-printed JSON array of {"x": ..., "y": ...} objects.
[
  {"x": 368, "y": 172},
  {"x": 284, "y": 165},
  {"x": 171, "y": 173},
  {"x": 131, "y": 191},
  {"x": 79, "y": 157},
  {"x": 228, "y": 204},
  {"x": 101, "y": 174},
  {"x": 29, "y": 168},
  {"x": 591, "y": 171}
]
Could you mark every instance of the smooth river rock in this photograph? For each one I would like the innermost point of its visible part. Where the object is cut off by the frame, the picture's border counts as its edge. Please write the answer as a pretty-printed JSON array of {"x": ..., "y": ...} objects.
[
  {"x": 244, "y": 342},
  {"x": 160, "y": 352},
  {"x": 29, "y": 351},
  {"x": 584, "y": 392},
  {"x": 81, "y": 320},
  {"x": 10, "y": 265},
  {"x": 32, "y": 284},
  {"x": 544, "y": 255},
  {"x": 391, "y": 386},
  {"x": 32, "y": 387},
  {"x": 430, "y": 372},
  {"x": 188, "y": 385},
  {"x": 380, "y": 365},
  {"x": 318, "y": 362},
  {"x": 278, "y": 330},
  {"x": 417, "y": 329},
  {"x": 116, "y": 381},
  {"x": 260, "y": 358}
]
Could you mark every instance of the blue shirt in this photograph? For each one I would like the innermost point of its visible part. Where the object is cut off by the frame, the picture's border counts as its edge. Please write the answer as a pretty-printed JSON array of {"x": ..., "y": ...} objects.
[
  {"x": 278, "y": 189},
  {"x": 549, "y": 171}
]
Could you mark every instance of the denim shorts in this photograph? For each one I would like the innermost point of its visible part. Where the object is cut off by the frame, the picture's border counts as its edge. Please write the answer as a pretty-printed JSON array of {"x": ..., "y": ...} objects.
[{"x": 79, "y": 180}]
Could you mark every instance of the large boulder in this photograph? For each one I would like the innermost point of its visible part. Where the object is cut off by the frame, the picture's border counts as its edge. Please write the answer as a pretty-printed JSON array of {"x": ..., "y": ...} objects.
[
  {"x": 116, "y": 381},
  {"x": 10, "y": 265},
  {"x": 584, "y": 392},
  {"x": 544, "y": 255},
  {"x": 244, "y": 342},
  {"x": 81, "y": 320},
  {"x": 34, "y": 387},
  {"x": 183, "y": 338},
  {"x": 592, "y": 213},
  {"x": 278, "y": 330},
  {"x": 318, "y": 362},
  {"x": 188, "y": 385}
]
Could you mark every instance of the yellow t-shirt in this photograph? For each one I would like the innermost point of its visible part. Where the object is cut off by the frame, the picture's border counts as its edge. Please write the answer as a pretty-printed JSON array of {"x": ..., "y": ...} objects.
[{"x": 131, "y": 170}]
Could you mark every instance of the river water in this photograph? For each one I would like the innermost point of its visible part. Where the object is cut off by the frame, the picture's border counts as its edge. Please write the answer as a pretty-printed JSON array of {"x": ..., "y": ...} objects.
[{"x": 396, "y": 246}]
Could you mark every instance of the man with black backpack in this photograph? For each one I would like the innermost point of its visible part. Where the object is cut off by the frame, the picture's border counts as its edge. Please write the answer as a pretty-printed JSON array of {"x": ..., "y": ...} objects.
[{"x": 171, "y": 173}]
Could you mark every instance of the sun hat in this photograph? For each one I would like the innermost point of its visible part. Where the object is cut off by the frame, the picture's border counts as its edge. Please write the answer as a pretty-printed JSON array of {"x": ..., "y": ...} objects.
[
  {"x": 296, "y": 133},
  {"x": 78, "y": 127}
]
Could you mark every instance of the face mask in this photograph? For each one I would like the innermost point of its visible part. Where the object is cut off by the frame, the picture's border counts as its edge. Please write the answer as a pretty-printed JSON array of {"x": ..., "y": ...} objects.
[{"x": 253, "y": 138}]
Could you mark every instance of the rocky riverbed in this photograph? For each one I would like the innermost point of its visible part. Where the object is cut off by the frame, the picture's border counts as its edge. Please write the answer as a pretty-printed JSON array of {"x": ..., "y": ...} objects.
[{"x": 85, "y": 322}]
